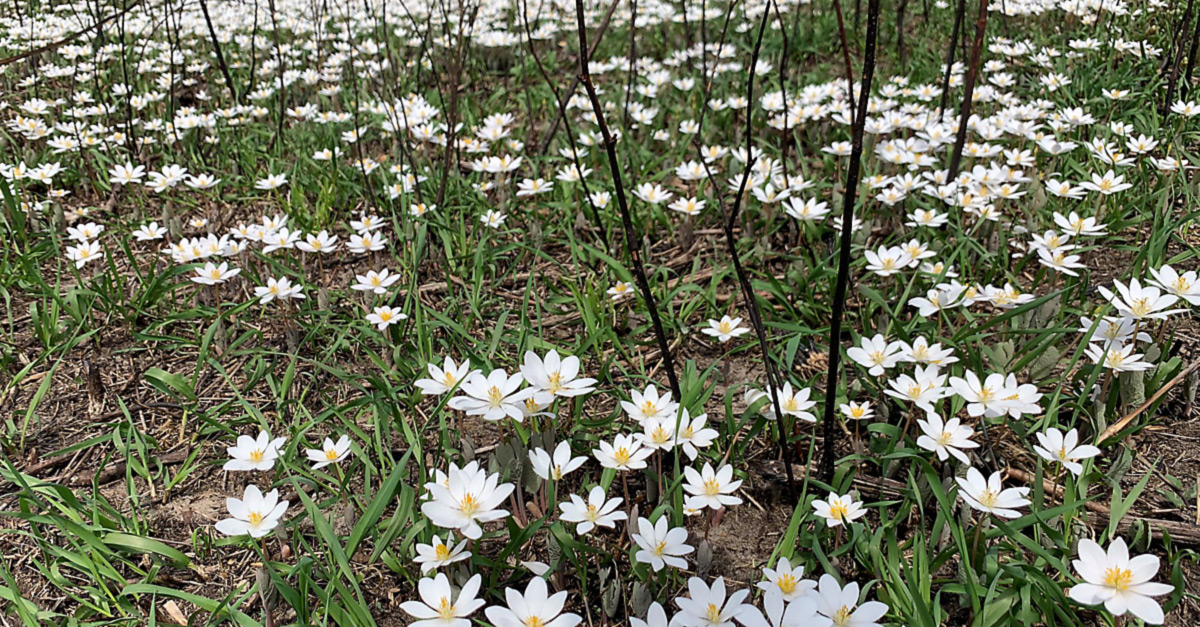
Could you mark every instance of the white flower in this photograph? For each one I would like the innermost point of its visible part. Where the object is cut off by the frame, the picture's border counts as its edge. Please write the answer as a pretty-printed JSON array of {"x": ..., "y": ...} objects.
[
  {"x": 212, "y": 274},
  {"x": 433, "y": 556},
  {"x": 725, "y": 329},
  {"x": 658, "y": 434},
  {"x": 711, "y": 488},
  {"x": 1139, "y": 302},
  {"x": 493, "y": 219},
  {"x": 656, "y": 616},
  {"x": 620, "y": 291},
  {"x": 84, "y": 252},
  {"x": 280, "y": 288},
  {"x": 384, "y": 316},
  {"x": 988, "y": 495},
  {"x": 1064, "y": 449},
  {"x": 659, "y": 545},
  {"x": 556, "y": 467},
  {"x": 442, "y": 380},
  {"x": 493, "y": 397},
  {"x": 887, "y": 261},
  {"x": 1185, "y": 286},
  {"x": 255, "y": 514},
  {"x": 330, "y": 452},
  {"x": 375, "y": 282},
  {"x": 649, "y": 404},
  {"x": 149, "y": 232},
  {"x": 366, "y": 241},
  {"x": 321, "y": 242},
  {"x": 981, "y": 396},
  {"x": 692, "y": 435},
  {"x": 791, "y": 403},
  {"x": 257, "y": 453},
  {"x": 1122, "y": 584},
  {"x": 273, "y": 181},
  {"x": 471, "y": 496},
  {"x": 535, "y": 608},
  {"x": 857, "y": 411},
  {"x": 841, "y": 604},
  {"x": 1119, "y": 358},
  {"x": 708, "y": 607},
  {"x": 555, "y": 375},
  {"x": 652, "y": 193},
  {"x": 946, "y": 438},
  {"x": 839, "y": 510},
  {"x": 789, "y": 581},
  {"x": 922, "y": 389},
  {"x": 597, "y": 511},
  {"x": 876, "y": 354},
  {"x": 625, "y": 453},
  {"x": 801, "y": 612},
  {"x": 439, "y": 608}
]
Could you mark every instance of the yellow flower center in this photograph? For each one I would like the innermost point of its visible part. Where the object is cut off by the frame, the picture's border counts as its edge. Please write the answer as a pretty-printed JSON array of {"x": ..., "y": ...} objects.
[
  {"x": 988, "y": 498},
  {"x": 534, "y": 621},
  {"x": 331, "y": 454},
  {"x": 555, "y": 382},
  {"x": 622, "y": 456},
  {"x": 495, "y": 396},
  {"x": 786, "y": 583},
  {"x": 468, "y": 505},
  {"x": 256, "y": 455},
  {"x": 1119, "y": 578},
  {"x": 713, "y": 614},
  {"x": 446, "y": 609},
  {"x": 255, "y": 518},
  {"x": 837, "y": 511},
  {"x": 712, "y": 487},
  {"x": 442, "y": 552},
  {"x": 449, "y": 379}
]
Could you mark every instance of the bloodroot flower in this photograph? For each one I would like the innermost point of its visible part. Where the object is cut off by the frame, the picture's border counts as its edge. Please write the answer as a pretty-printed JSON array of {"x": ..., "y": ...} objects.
[
  {"x": 439, "y": 608},
  {"x": 471, "y": 496},
  {"x": 330, "y": 452},
  {"x": 433, "y": 556},
  {"x": 255, "y": 514},
  {"x": 535, "y": 608},
  {"x": 988, "y": 495},
  {"x": 1122, "y": 584},
  {"x": 257, "y": 453},
  {"x": 659, "y": 545},
  {"x": 839, "y": 510}
]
